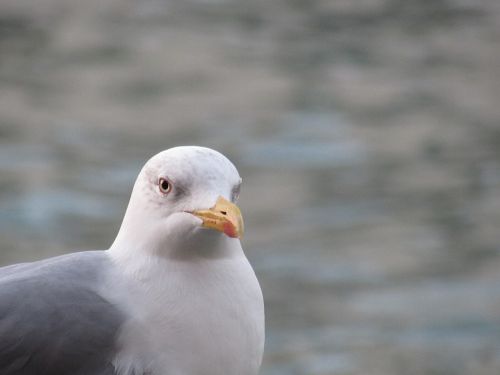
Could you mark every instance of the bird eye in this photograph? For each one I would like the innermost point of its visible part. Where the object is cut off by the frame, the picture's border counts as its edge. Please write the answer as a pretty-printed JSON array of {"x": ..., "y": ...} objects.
[
  {"x": 165, "y": 185},
  {"x": 235, "y": 194}
]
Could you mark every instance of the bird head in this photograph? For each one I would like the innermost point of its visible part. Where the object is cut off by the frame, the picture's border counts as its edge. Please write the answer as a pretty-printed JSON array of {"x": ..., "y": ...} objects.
[{"x": 183, "y": 197}]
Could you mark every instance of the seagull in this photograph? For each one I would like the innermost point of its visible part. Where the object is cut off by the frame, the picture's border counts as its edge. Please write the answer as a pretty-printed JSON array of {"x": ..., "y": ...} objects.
[{"x": 173, "y": 295}]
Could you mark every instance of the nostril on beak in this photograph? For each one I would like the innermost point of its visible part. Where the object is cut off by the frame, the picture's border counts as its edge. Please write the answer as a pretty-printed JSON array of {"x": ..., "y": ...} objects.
[{"x": 223, "y": 212}]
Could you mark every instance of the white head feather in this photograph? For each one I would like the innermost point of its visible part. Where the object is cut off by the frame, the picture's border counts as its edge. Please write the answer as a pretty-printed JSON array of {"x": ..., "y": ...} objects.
[{"x": 157, "y": 222}]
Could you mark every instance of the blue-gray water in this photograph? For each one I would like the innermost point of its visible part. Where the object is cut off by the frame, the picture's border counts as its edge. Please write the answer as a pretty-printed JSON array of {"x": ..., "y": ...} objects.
[{"x": 367, "y": 133}]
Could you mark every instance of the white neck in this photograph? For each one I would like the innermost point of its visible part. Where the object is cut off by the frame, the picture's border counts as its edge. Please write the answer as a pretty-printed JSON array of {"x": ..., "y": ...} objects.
[{"x": 180, "y": 300}]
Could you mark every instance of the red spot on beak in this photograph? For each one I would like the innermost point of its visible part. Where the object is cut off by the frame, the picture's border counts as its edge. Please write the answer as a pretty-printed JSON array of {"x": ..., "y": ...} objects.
[{"x": 230, "y": 230}]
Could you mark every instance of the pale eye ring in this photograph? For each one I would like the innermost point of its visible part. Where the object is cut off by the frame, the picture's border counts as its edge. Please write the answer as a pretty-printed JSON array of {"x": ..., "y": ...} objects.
[{"x": 164, "y": 185}]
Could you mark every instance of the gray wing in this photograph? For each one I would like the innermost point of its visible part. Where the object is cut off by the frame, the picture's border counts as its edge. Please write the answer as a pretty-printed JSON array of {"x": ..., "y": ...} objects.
[{"x": 52, "y": 320}]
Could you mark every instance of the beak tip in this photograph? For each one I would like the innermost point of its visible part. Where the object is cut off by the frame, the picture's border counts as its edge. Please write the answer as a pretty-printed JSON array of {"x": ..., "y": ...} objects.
[{"x": 230, "y": 230}]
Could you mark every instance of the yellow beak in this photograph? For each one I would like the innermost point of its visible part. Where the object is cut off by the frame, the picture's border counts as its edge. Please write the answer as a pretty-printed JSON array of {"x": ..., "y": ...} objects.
[{"x": 224, "y": 217}]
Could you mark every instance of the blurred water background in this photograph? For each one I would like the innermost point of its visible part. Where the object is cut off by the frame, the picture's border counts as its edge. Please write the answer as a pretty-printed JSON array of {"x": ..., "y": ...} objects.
[{"x": 367, "y": 133}]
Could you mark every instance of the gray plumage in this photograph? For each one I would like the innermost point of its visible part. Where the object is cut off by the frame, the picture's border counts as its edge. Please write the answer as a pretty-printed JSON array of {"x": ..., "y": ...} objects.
[{"x": 53, "y": 321}]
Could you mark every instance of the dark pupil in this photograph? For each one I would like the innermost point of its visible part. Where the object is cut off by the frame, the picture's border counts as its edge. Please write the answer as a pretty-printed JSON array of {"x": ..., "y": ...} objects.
[{"x": 164, "y": 185}]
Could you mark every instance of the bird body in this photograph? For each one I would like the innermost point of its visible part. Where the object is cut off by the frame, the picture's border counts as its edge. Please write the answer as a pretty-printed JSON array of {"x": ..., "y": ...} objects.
[
  {"x": 172, "y": 296},
  {"x": 212, "y": 307}
]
